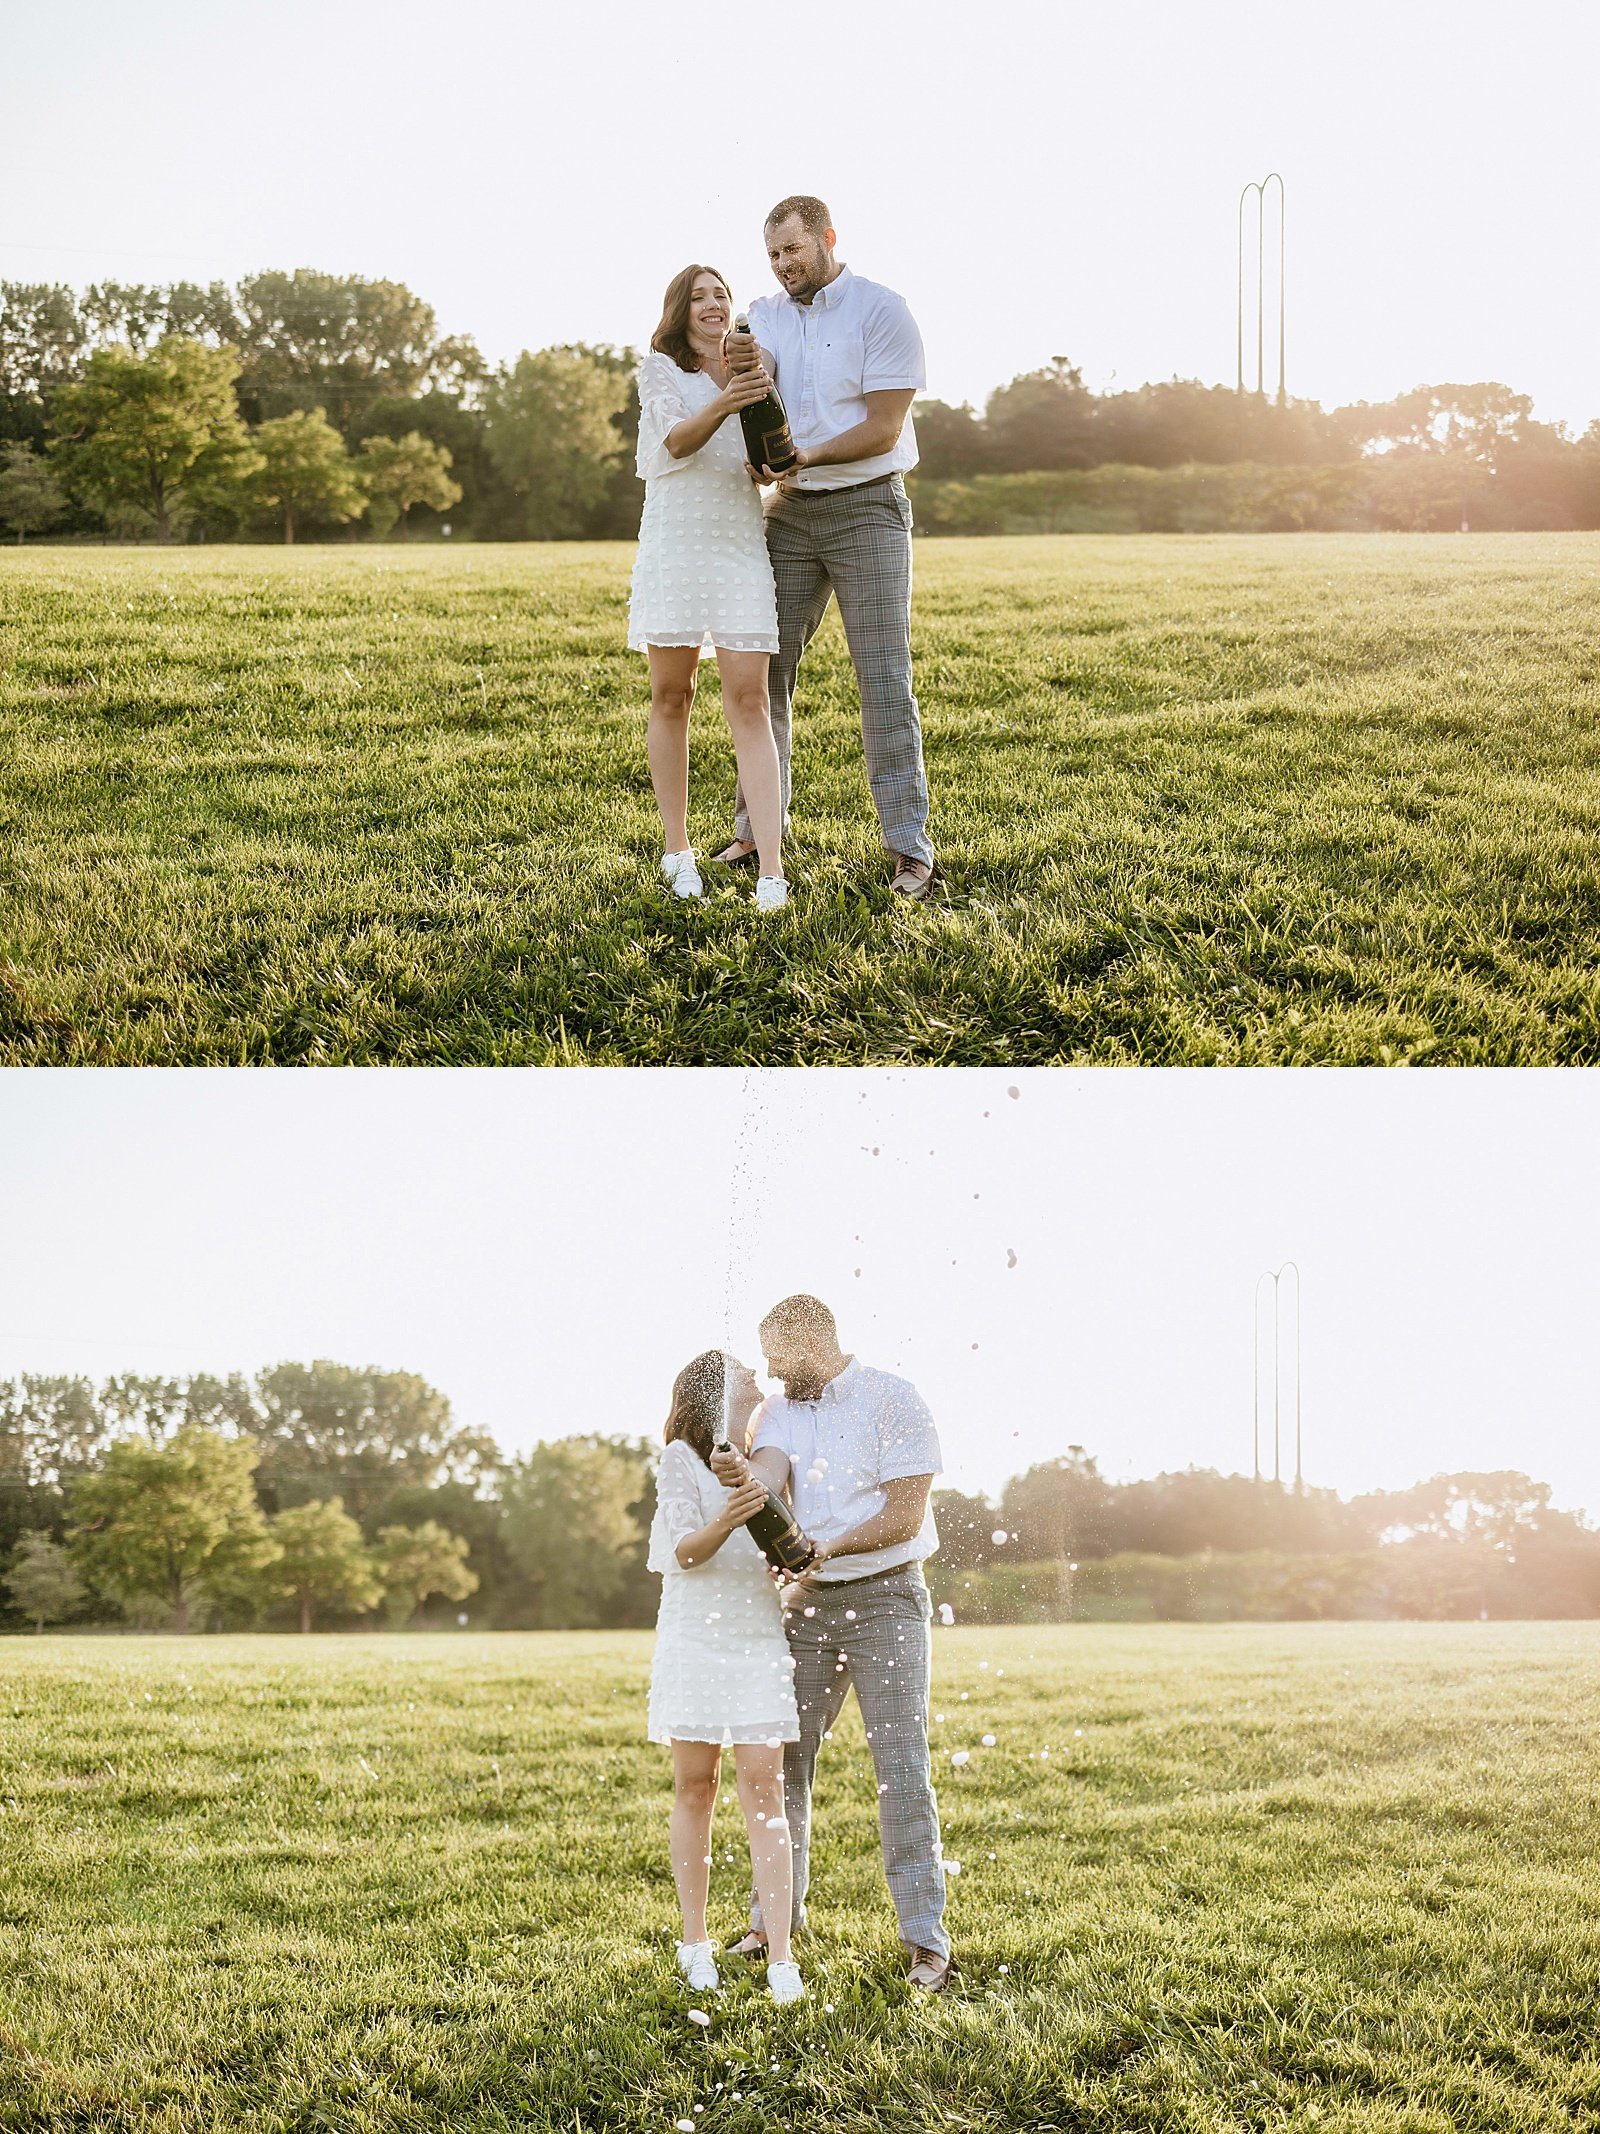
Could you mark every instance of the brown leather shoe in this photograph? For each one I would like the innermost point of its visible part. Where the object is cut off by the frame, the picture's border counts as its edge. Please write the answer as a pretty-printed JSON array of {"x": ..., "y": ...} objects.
[
  {"x": 928, "y": 1971},
  {"x": 912, "y": 878},
  {"x": 736, "y": 854}
]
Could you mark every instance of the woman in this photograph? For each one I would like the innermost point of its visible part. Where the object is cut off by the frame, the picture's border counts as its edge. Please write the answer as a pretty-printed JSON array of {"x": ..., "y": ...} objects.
[
  {"x": 722, "y": 1672},
  {"x": 701, "y": 576}
]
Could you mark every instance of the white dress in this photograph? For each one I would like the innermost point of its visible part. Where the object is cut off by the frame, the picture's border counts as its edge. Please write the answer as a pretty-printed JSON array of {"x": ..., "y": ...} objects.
[
  {"x": 701, "y": 576},
  {"x": 722, "y": 1669}
]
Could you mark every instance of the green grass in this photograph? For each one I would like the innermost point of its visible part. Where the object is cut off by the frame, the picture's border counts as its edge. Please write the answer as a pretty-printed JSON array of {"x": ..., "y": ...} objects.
[
  {"x": 1256, "y": 800},
  {"x": 1312, "y": 1876}
]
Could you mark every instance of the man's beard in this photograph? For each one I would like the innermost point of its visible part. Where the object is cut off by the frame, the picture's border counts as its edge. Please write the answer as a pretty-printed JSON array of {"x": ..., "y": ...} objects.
[{"x": 816, "y": 278}]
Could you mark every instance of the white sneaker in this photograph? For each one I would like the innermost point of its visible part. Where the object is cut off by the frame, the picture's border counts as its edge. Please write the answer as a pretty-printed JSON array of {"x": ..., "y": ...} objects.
[
  {"x": 785, "y": 1984},
  {"x": 772, "y": 893},
  {"x": 697, "y": 1961},
  {"x": 682, "y": 875}
]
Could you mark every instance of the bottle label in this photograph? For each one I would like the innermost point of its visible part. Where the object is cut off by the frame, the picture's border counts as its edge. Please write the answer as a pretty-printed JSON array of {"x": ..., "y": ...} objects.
[{"x": 778, "y": 445}]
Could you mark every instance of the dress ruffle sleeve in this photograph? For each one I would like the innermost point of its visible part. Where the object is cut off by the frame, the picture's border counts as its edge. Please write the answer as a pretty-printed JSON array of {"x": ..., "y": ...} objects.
[
  {"x": 680, "y": 1507},
  {"x": 662, "y": 406}
]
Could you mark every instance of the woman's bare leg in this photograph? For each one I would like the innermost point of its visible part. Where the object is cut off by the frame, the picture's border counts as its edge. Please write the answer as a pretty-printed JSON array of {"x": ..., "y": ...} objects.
[
  {"x": 672, "y": 679},
  {"x": 749, "y": 716},
  {"x": 696, "y": 1767},
  {"x": 759, "y": 1771}
]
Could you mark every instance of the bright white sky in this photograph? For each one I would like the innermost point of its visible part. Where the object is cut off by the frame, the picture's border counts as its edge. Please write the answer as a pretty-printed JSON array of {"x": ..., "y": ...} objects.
[
  {"x": 549, "y": 1247},
  {"x": 1039, "y": 177}
]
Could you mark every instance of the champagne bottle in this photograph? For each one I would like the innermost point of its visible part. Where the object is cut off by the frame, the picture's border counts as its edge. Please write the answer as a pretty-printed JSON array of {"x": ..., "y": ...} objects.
[
  {"x": 767, "y": 442},
  {"x": 773, "y": 1527}
]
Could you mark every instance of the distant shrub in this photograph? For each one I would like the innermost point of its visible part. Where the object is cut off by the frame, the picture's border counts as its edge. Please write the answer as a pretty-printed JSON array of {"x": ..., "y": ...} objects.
[
  {"x": 1423, "y": 1580},
  {"x": 1414, "y": 495}
]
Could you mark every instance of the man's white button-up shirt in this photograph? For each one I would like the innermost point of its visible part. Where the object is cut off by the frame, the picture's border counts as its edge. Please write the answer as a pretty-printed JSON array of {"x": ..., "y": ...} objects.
[
  {"x": 854, "y": 337},
  {"x": 868, "y": 1428}
]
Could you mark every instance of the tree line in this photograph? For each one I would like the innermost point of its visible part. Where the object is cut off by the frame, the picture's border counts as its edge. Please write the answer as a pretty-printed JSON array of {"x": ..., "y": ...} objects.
[
  {"x": 322, "y": 1496},
  {"x": 312, "y": 405}
]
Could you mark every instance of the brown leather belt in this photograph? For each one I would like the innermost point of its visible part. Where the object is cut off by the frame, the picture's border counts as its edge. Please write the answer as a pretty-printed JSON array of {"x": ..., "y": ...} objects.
[{"x": 878, "y": 481}]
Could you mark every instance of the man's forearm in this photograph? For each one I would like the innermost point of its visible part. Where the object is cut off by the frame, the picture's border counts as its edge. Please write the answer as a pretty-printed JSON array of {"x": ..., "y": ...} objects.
[
  {"x": 865, "y": 440},
  {"x": 882, "y": 1531}
]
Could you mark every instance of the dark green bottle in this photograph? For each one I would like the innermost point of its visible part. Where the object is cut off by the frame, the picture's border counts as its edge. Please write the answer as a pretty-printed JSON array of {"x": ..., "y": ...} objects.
[
  {"x": 767, "y": 442},
  {"x": 773, "y": 1527}
]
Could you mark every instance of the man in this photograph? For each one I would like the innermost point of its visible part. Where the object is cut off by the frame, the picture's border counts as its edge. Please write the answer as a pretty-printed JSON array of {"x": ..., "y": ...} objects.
[
  {"x": 848, "y": 361},
  {"x": 858, "y": 1450}
]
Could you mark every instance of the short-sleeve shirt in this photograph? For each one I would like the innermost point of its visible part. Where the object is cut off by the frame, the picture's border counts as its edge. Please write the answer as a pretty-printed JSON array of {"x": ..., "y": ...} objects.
[
  {"x": 854, "y": 337},
  {"x": 868, "y": 1428}
]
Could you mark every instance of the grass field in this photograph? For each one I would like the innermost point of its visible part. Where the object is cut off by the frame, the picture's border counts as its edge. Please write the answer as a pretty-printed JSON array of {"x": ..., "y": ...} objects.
[
  {"x": 1312, "y": 1876},
  {"x": 1247, "y": 800}
]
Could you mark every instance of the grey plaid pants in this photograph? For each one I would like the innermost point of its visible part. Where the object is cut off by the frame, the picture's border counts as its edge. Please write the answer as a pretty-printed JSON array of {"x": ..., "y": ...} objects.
[
  {"x": 885, "y": 1653},
  {"x": 854, "y": 546}
]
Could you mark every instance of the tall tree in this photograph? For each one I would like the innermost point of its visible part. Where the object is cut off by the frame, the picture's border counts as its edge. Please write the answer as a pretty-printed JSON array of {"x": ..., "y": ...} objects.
[
  {"x": 305, "y": 470},
  {"x": 553, "y": 433},
  {"x": 51, "y": 1430},
  {"x": 571, "y": 1527},
  {"x": 164, "y": 1522},
  {"x": 323, "y": 1561},
  {"x": 340, "y": 342},
  {"x": 326, "y": 1427},
  {"x": 43, "y": 337},
  {"x": 1057, "y": 1509},
  {"x": 1044, "y": 419},
  {"x": 415, "y": 1562},
  {"x": 397, "y": 472},
  {"x": 30, "y": 496},
  {"x": 157, "y": 434},
  {"x": 43, "y": 1581}
]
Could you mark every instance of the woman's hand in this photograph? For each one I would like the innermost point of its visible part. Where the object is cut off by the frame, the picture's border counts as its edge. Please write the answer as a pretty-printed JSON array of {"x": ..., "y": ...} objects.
[
  {"x": 743, "y": 1502},
  {"x": 743, "y": 389}
]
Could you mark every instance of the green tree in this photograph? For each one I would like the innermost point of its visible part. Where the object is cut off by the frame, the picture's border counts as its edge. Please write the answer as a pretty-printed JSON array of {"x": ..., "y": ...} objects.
[
  {"x": 157, "y": 435},
  {"x": 553, "y": 431},
  {"x": 30, "y": 496},
  {"x": 397, "y": 472},
  {"x": 43, "y": 1582},
  {"x": 952, "y": 442},
  {"x": 416, "y": 1561},
  {"x": 571, "y": 1527},
  {"x": 169, "y": 1522},
  {"x": 1044, "y": 419},
  {"x": 324, "y": 1426},
  {"x": 340, "y": 342},
  {"x": 305, "y": 468},
  {"x": 323, "y": 1560}
]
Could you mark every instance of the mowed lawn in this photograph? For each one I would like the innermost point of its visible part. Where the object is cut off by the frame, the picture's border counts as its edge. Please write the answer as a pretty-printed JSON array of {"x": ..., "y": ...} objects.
[
  {"x": 1212, "y": 1878},
  {"x": 1239, "y": 800}
]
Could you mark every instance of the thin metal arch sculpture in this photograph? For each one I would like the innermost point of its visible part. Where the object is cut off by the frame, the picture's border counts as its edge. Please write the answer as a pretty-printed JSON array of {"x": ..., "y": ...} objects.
[
  {"x": 1275, "y": 1277},
  {"x": 1259, "y": 188}
]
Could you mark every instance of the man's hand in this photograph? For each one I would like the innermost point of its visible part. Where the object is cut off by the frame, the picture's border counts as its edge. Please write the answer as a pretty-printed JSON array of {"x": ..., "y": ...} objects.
[
  {"x": 730, "y": 1467},
  {"x": 766, "y": 474},
  {"x": 741, "y": 351}
]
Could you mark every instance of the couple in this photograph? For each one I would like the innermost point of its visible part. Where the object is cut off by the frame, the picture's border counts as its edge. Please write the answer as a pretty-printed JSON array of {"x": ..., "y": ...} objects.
[
  {"x": 856, "y": 1451},
  {"x": 713, "y": 569}
]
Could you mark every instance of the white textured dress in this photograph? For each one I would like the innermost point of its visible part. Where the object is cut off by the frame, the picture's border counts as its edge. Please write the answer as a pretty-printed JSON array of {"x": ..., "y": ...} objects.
[
  {"x": 722, "y": 1669},
  {"x": 701, "y": 576}
]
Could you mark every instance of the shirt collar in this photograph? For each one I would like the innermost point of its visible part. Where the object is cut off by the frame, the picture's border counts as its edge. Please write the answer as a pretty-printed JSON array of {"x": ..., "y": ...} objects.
[
  {"x": 833, "y": 292},
  {"x": 828, "y": 297},
  {"x": 838, "y": 1386}
]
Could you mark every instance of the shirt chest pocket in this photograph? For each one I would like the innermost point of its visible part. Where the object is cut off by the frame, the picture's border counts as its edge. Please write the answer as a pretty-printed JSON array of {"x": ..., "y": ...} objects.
[{"x": 841, "y": 361}]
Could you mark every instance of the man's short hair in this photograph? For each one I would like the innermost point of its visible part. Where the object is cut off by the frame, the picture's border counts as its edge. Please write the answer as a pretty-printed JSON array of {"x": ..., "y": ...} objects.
[
  {"x": 813, "y": 213},
  {"x": 808, "y": 1317}
]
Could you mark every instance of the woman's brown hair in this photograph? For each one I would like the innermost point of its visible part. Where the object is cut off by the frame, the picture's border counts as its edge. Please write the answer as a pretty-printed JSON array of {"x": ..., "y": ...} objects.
[
  {"x": 698, "y": 1393},
  {"x": 671, "y": 337}
]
